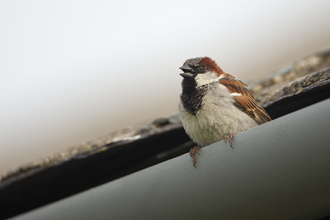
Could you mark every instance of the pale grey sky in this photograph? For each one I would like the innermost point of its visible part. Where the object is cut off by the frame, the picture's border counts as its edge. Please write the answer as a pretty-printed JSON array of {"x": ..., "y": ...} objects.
[{"x": 75, "y": 70}]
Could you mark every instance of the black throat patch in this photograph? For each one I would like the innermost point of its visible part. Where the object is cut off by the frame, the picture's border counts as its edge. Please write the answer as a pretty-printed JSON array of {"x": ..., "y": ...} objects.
[{"x": 192, "y": 97}]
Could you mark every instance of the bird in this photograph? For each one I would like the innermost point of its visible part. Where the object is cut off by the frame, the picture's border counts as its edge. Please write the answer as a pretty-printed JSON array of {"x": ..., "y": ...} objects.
[{"x": 215, "y": 105}]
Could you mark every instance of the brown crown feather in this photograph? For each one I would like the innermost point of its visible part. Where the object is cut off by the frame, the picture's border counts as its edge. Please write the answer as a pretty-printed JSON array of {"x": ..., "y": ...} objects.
[{"x": 211, "y": 65}]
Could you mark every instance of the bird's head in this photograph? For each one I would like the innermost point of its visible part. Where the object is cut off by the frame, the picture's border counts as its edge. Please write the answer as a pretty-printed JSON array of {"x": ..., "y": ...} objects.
[{"x": 201, "y": 70}]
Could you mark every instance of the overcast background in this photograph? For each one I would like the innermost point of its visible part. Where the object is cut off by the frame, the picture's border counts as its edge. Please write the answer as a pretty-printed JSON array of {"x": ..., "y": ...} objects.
[{"x": 71, "y": 71}]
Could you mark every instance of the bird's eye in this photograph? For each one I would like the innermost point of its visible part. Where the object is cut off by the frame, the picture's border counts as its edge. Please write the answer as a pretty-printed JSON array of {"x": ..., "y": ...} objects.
[{"x": 200, "y": 69}]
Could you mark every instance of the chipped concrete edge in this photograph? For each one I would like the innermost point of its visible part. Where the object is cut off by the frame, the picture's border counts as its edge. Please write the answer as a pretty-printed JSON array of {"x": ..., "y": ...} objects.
[
  {"x": 265, "y": 89},
  {"x": 101, "y": 144}
]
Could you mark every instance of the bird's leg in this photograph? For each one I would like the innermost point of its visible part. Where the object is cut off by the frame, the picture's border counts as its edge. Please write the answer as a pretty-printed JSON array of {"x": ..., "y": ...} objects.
[
  {"x": 193, "y": 152},
  {"x": 231, "y": 138}
]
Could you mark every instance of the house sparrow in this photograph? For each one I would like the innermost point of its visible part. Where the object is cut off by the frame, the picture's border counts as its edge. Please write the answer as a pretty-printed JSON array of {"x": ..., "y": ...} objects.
[{"x": 215, "y": 105}]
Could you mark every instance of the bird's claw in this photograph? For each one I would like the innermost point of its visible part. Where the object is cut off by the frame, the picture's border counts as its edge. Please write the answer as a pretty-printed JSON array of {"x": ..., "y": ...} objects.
[
  {"x": 231, "y": 138},
  {"x": 193, "y": 152}
]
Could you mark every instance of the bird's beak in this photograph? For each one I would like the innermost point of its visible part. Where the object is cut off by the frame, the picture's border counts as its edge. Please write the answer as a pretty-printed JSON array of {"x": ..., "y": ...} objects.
[
  {"x": 186, "y": 68},
  {"x": 187, "y": 75},
  {"x": 188, "y": 71}
]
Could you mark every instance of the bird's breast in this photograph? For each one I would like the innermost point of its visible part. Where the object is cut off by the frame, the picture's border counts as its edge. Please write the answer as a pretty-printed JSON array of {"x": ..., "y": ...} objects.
[{"x": 215, "y": 117}]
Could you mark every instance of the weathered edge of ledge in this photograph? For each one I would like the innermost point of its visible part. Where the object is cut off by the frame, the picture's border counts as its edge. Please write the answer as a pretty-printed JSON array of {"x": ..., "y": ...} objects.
[
  {"x": 280, "y": 83},
  {"x": 115, "y": 139}
]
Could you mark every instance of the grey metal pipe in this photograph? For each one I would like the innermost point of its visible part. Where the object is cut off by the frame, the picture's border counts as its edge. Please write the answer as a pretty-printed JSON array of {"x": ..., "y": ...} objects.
[{"x": 279, "y": 170}]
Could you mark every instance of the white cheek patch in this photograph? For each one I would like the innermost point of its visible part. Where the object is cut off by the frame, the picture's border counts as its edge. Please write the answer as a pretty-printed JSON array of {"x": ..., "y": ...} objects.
[{"x": 207, "y": 78}]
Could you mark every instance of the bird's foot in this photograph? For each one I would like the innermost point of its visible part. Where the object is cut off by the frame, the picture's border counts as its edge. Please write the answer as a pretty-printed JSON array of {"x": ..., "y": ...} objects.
[
  {"x": 231, "y": 138},
  {"x": 193, "y": 152}
]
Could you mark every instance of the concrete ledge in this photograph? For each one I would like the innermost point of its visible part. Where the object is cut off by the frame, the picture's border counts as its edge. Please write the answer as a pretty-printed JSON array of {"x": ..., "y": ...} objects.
[{"x": 279, "y": 170}]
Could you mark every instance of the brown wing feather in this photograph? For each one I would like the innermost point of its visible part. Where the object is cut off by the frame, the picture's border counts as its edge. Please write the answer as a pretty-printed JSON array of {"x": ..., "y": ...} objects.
[{"x": 246, "y": 102}]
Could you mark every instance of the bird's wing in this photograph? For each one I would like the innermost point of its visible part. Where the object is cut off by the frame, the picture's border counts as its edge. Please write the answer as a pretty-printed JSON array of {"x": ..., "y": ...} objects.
[{"x": 244, "y": 101}]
